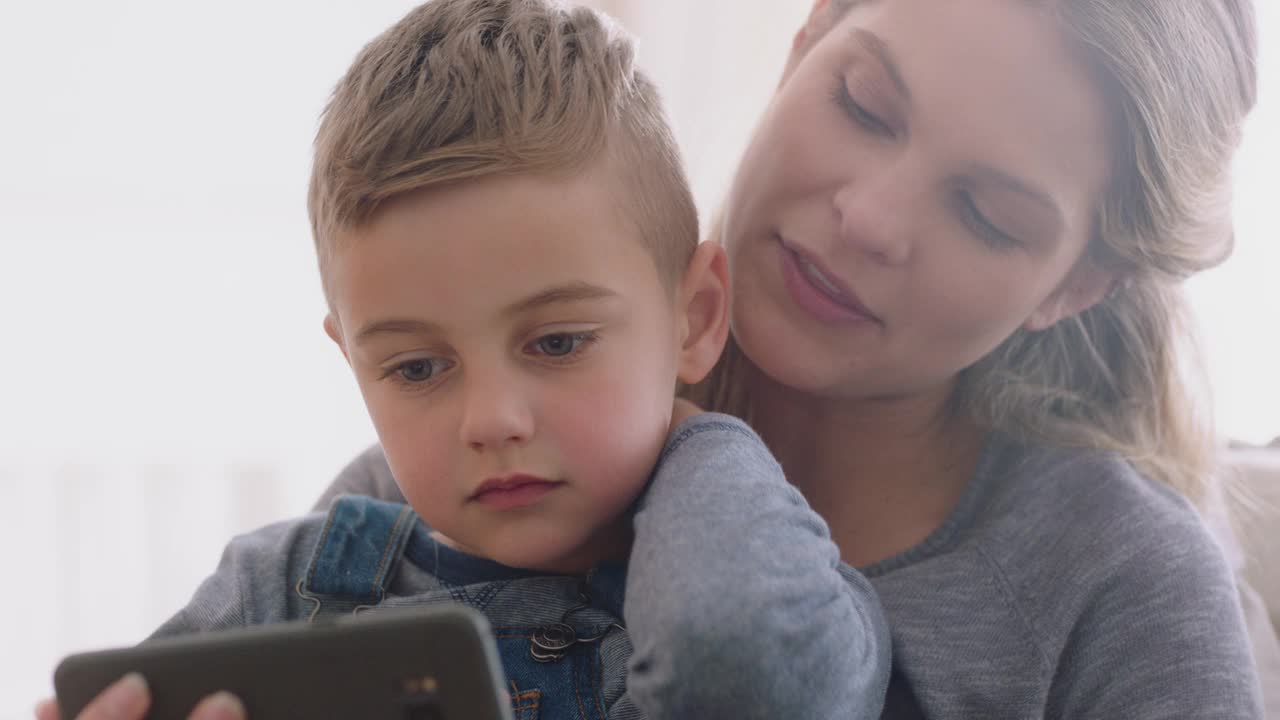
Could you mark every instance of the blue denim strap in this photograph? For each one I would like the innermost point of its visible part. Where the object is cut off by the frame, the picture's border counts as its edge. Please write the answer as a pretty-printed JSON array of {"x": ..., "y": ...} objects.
[{"x": 359, "y": 550}]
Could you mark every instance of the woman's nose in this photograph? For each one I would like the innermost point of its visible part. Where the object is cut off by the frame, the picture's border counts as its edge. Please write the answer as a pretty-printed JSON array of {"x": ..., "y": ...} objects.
[
  {"x": 875, "y": 217},
  {"x": 496, "y": 413}
]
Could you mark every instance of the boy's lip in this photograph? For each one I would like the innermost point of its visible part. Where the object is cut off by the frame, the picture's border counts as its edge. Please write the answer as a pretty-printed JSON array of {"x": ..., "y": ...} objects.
[{"x": 516, "y": 490}]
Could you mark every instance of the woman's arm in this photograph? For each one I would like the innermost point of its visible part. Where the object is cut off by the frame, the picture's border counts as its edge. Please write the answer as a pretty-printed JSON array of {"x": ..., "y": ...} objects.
[
  {"x": 735, "y": 603},
  {"x": 1164, "y": 637}
]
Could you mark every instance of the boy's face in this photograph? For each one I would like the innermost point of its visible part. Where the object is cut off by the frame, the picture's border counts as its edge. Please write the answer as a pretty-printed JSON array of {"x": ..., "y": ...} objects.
[{"x": 518, "y": 353}]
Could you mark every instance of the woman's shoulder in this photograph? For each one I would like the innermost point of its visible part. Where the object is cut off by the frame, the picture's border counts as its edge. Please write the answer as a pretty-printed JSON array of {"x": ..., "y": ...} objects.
[
  {"x": 1085, "y": 523},
  {"x": 1037, "y": 494},
  {"x": 1109, "y": 570}
]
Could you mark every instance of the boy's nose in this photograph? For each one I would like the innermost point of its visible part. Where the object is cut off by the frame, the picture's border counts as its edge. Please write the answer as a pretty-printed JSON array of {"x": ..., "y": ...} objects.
[{"x": 496, "y": 415}]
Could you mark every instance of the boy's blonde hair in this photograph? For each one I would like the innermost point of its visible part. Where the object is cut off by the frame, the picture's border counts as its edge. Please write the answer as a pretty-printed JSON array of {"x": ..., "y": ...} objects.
[
  {"x": 464, "y": 89},
  {"x": 1180, "y": 77}
]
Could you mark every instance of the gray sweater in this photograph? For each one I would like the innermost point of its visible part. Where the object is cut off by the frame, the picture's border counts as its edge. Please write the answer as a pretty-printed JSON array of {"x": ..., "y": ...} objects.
[{"x": 1063, "y": 585}]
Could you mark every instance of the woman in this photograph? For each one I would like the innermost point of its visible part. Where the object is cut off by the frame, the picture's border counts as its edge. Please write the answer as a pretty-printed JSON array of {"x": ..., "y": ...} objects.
[{"x": 956, "y": 242}]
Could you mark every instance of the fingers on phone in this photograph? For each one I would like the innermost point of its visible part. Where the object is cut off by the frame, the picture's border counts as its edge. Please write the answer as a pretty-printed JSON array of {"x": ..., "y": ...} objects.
[
  {"x": 127, "y": 698},
  {"x": 219, "y": 706},
  {"x": 47, "y": 709}
]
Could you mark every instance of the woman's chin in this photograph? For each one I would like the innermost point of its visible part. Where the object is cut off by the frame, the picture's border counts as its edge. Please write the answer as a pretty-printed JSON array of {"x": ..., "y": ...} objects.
[{"x": 797, "y": 364}]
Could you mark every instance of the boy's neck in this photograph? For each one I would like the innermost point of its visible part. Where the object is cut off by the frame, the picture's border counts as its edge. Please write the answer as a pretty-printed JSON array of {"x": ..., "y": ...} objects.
[
  {"x": 884, "y": 474},
  {"x": 611, "y": 543}
]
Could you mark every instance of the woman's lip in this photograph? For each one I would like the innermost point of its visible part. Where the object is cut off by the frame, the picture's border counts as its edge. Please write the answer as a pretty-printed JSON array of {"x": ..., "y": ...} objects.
[{"x": 819, "y": 301}]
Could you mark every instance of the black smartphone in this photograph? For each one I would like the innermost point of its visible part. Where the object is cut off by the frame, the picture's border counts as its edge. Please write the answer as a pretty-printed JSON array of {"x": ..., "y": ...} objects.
[{"x": 430, "y": 663}]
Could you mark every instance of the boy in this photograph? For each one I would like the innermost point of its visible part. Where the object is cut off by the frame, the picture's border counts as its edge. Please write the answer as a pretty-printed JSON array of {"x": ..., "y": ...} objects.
[{"x": 509, "y": 252}]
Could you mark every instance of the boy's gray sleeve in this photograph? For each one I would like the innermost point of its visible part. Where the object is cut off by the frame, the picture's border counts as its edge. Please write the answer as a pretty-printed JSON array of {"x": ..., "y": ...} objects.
[
  {"x": 253, "y": 584},
  {"x": 734, "y": 603}
]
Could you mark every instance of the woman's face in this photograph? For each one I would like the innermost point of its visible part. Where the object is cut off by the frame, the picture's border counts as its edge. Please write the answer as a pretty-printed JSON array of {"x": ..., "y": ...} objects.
[{"x": 923, "y": 184}]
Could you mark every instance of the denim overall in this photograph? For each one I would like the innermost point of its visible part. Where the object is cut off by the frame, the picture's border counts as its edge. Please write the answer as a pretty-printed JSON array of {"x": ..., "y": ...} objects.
[{"x": 361, "y": 550}]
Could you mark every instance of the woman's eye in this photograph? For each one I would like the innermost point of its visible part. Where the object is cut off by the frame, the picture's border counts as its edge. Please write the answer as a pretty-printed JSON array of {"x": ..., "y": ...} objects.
[
  {"x": 856, "y": 112},
  {"x": 993, "y": 236}
]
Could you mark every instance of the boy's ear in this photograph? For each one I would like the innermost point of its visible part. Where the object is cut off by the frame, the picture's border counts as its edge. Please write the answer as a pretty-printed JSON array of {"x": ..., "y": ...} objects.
[
  {"x": 1085, "y": 286},
  {"x": 334, "y": 332},
  {"x": 815, "y": 26},
  {"x": 703, "y": 308}
]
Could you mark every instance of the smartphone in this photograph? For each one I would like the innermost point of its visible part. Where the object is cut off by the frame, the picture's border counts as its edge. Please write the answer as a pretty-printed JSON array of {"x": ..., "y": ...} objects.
[{"x": 430, "y": 663}]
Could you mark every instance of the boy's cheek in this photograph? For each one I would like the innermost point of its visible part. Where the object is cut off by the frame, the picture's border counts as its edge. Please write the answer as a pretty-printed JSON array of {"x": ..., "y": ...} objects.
[
  {"x": 417, "y": 444},
  {"x": 424, "y": 469},
  {"x": 613, "y": 428}
]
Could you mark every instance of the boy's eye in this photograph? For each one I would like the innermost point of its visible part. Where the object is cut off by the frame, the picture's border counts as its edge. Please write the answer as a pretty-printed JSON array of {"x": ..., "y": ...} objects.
[
  {"x": 561, "y": 346},
  {"x": 418, "y": 371},
  {"x": 557, "y": 345}
]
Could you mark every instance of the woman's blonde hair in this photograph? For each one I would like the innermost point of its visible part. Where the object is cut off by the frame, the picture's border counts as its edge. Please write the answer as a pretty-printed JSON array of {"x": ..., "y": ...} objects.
[{"x": 1180, "y": 76}]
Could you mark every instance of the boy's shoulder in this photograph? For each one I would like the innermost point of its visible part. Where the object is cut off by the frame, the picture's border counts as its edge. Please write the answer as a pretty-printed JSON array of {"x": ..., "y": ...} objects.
[
  {"x": 272, "y": 574},
  {"x": 368, "y": 474}
]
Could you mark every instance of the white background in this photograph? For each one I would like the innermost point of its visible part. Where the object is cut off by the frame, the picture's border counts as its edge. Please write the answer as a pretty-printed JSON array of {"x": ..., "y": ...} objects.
[{"x": 164, "y": 380}]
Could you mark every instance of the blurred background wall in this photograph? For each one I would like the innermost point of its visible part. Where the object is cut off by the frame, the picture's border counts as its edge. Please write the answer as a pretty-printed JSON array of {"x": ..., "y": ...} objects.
[{"x": 164, "y": 380}]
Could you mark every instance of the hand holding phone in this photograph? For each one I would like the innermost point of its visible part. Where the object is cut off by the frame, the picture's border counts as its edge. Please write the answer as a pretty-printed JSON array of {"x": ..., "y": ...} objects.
[
  {"x": 436, "y": 663},
  {"x": 129, "y": 698}
]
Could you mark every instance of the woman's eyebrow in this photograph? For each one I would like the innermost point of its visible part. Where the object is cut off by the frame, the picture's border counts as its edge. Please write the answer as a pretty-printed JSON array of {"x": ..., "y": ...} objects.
[
  {"x": 1001, "y": 180},
  {"x": 872, "y": 43}
]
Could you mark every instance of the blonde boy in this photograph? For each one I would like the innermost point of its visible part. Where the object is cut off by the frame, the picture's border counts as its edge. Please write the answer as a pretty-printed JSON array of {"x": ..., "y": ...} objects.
[{"x": 509, "y": 252}]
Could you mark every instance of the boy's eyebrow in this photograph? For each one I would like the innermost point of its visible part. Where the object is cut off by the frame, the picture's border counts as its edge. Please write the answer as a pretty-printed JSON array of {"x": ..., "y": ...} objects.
[
  {"x": 569, "y": 292},
  {"x": 395, "y": 327}
]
